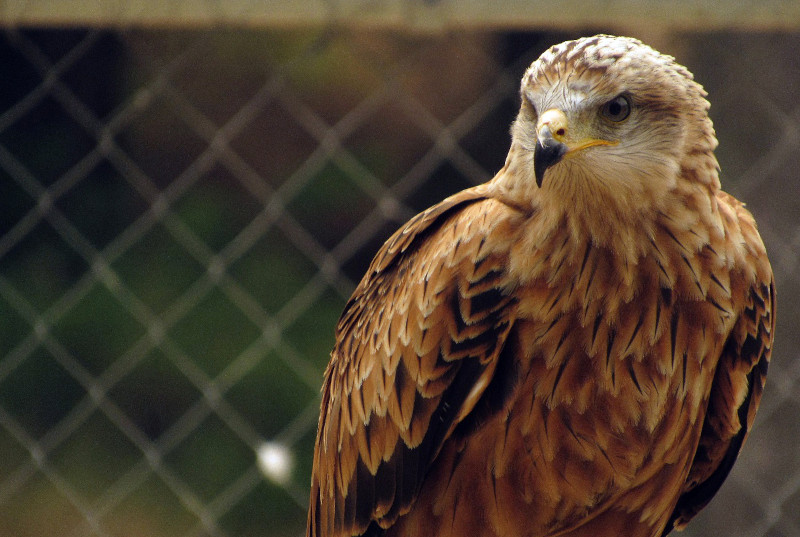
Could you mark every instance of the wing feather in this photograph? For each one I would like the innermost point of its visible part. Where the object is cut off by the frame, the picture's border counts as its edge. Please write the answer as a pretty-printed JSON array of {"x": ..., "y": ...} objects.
[
  {"x": 736, "y": 390},
  {"x": 417, "y": 345}
]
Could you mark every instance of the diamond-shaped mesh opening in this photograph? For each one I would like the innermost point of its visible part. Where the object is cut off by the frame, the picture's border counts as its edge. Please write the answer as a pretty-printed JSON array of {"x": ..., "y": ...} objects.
[
  {"x": 107, "y": 53},
  {"x": 266, "y": 506},
  {"x": 42, "y": 266},
  {"x": 279, "y": 159},
  {"x": 198, "y": 463},
  {"x": 157, "y": 269},
  {"x": 273, "y": 270},
  {"x": 39, "y": 393},
  {"x": 269, "y": 412},
  {"x": 330, "y": 205},
  {"x": 102, "y": 205},
  {"x": 38, "y": 508},
  {"x": 389, "y": 142},
  {"x": 159, "y": 141},
  {"x": 94, "y": 457},
  {"x": 154, "y": 395},
  {"x": 214, "y": 332},
  {"x": 98, "y": 330},
  {"x": 217, "y": 208},
  {"x": 47, "y": 140},
  {"x": 150, "y": 509}
]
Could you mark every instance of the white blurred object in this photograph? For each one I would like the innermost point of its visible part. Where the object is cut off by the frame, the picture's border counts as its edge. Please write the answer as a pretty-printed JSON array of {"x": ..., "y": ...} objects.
[{"x": 276, "y": 462}]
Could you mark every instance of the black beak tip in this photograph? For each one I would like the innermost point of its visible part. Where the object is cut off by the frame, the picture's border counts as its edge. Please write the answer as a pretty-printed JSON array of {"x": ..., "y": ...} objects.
[
  {"x": 538, "y": 170},
  {"x": 546, "y": 155}
]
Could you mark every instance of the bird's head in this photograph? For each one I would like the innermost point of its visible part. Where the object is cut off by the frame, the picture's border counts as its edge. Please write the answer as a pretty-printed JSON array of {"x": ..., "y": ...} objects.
[{"x": 609, "y": 116}]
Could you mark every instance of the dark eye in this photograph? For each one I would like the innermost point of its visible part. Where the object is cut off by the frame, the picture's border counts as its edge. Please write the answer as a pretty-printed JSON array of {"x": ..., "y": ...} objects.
[{"x": 617, "y": 108}]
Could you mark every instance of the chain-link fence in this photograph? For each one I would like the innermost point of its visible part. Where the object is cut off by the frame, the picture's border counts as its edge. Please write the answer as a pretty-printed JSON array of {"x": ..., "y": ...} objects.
[{"x": 183, "y": 214}]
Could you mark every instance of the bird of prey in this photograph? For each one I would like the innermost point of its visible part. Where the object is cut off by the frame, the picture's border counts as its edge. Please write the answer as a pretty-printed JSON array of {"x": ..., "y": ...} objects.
[{"x": 575, "y": 348}]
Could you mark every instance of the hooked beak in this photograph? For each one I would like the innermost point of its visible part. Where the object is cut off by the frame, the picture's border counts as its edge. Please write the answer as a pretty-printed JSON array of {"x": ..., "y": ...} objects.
[
  {"x": 549, "y": 151},
  {"x": 552, "y": 146}
]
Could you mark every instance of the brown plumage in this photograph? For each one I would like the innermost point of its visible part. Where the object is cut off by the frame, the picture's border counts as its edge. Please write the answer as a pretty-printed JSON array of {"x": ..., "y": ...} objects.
[{"x": 576, "y": 348}]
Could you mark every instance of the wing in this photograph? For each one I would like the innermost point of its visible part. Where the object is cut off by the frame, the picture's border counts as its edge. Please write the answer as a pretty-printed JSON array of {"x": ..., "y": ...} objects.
[
  {"x": 417, "y": 345},
  {"x": 736, "y": 390}
]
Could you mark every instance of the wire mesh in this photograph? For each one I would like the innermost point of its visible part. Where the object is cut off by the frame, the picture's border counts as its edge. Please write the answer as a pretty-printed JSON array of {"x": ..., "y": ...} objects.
[{"x": 185, "y": 213}]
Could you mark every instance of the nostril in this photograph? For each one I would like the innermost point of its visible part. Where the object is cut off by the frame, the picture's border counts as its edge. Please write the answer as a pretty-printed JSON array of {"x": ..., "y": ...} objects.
[{"x": 554, "y": 122}]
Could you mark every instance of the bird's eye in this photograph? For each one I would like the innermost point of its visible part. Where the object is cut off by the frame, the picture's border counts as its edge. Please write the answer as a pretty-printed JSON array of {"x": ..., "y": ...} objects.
[{"x": 617, "y": 109}]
